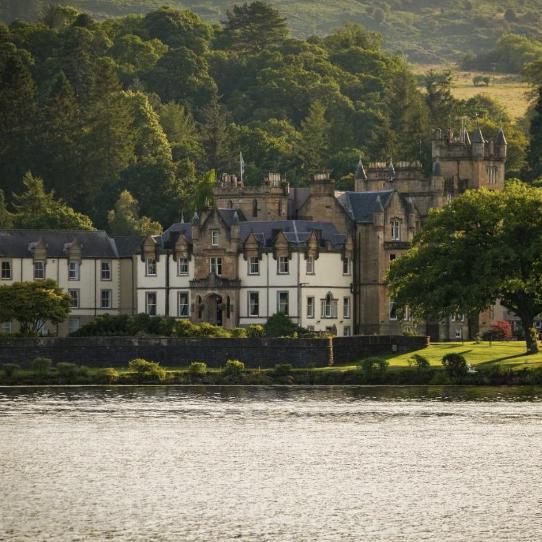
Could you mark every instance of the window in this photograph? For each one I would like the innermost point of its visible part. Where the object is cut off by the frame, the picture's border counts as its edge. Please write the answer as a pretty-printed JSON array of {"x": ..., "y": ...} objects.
[
  {"x": 105, "y": 299},
  {"x": 254, "y": 208},
  {"x": 395, "y": 230},
  {"x": 74, "y": 294},
  {"x": 283, "y": 265},
  {"x": 310, "y": 265},
  {"x": 6, "y": 270},
  {"x": 458, "y": 333},
  {"x": 215, "y": 238},
  {"x": 407, "y": 316},
  {"x": 329, "y": 307},
  {"x": 393, "y": 310},
  {"x": 310, "y": 307},
  {"x": 253, "y": 265},
  {"x": 457, "y": 318},
  {"x": 183, "y": 311},
  {"x": 492, "y": 174},
  {"x": 215, "y": 266},
  {"x": 5, "y": 329},
  {"x": 346, "y": 266},
  {"x": 73, "y": 270},
  {"x": 39, "y": 270},
  {"x": 73, "y": 325},
  {"x": 280, "y": 207},
  {"x": 346, "y": 307},
  {"x": 150, "y": 303},
  {"x": 150, "y": 267},
  {"x": 106, "y": 270},
  {"x": 182, "y": 266},
  {"x": 283, "y": 299},
  {"x": 253, "y": 304},
  {"x": 347, "y": 331}
]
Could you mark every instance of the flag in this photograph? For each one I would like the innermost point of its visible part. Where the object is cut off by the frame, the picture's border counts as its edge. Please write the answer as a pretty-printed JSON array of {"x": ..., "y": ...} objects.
[{"x": 241, "y": 165}]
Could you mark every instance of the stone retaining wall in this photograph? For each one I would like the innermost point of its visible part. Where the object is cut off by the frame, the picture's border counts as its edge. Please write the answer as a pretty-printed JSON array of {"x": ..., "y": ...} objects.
[{"x": 169, "y": 351}]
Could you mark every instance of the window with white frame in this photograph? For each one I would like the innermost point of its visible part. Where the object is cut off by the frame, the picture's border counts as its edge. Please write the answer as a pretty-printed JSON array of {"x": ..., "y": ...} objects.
[
  {"x": 253, "y": 304},
  {"x": 396, "y": 229},
  {"x": 150, "y": 303},
  {"x": 73, "y": 325},
  {"x": 457, "y": 318},
  {"x": 5, "y": 329},
  {"x": 393, "y": 310},
  {"x": 39, "y": 269},
  {"x": 74, "y": 298},
  {"x": 492, "y": 174},
  {"x": 309, "y": 262},
  {"x": 215, "y": 238},
  {"x": 150, "y": 267},
  {"x": 346, "y": 266},
  {"x": 310, "y": 307},
  {"x": 329, "y": 307},
  {"x": 6, "y": 270},
  {"x": 105, "y": 270},
  {"x": 183, "y": 300},
  {"x": 458, "y": 333},
  {"x": 105, "y": 299},
  {"x": 283, "y": 302},
  {"x": 182, "y": 267},
  {"x": 73, "y": 270},
  {"x": 407, "y": 314},
  {"x": 347, "y": 331},
  {"x": 346, "y": 307},
  {"x": 283, "y": 265},
  {"x": 215, "y": 266},
  {"x": 253, "y": 265}
]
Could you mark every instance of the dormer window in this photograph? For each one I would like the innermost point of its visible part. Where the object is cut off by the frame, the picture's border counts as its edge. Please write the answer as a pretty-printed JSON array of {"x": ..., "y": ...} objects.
[
  {"x": 215, "y": 238},
  {"x": 150, "y": 267},
  {"x": 73, "y": 270},
  {"x": 395, "y": 230}
]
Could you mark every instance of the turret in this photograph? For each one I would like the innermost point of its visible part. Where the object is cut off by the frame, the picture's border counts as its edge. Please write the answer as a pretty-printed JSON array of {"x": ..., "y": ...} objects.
[
  {"x": 501, "y": 145},
  {"x": 478, "y": 144},
  {"x": 360, "y": 177}
]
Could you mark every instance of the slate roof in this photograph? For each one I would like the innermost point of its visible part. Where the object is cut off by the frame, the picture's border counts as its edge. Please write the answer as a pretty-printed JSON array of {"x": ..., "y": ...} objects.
[
  {"x": 94, "y": 244},
  {"x": 128, "y": 245},
  {"x": 361, "y": 206},
  {"x": 296, "y": 199},
  {"x": 170, "y": 236},
  {"x": 227, "y": 215},
  {"x": 296, "y": 231}
]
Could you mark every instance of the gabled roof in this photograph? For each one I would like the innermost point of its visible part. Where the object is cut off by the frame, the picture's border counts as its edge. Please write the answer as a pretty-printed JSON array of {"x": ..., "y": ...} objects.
[
  {"x": 361, "y": 206},
  {"x": 128, "y": 245},
  {"x": 170, "y": 236},
  {"x": 228, "y": 215},
  {"x": 297, "y": 198},
  {"x": 94, "y": 244}
]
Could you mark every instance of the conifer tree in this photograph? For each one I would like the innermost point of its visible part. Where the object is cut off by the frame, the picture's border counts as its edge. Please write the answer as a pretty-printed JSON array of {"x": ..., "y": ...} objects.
[
  {"x": 534, "y": 153},
  {"x": 124, "y": 219},
  {"x": 215, "y": 136},
  {"x": 6, "y": 218},
  {"x": 312, "y": 151}
]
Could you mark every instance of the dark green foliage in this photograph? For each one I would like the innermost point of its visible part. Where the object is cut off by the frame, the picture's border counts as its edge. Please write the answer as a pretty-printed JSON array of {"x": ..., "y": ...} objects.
[
  {"x": 280, "y": 325},
  {"x": 284, "y": 369},
  {"x": 10, "y": 369},
  {"x": 234, "y": 368},
  {"x": 534, "y": 152},
  {"x": 197, "y": 369},
  {"x": 373, "y": 370},
  {"x": 41, "y": 365},
  {"x": 67, "y": 371},
  {"x": 455, "y": 366}
]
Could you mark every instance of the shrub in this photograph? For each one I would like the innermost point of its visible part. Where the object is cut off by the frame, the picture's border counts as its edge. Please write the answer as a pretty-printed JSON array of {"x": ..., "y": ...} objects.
[
  {"x": 109, "y": 375},
  {"x": 239, "y": 333},
  {"x": 283, "y": 369},
  {"x": 147, "y": 370},
  {"x": 234, "y": 367},
  {"x": 10, "y": 369},
  {"x": 373, "y": 369},
  {"x": 41, "y": 365},
  {"x": 279, "y": 325},
  {"x": 499, "y": 331},
  {"x": 419, "y": 362},
  {"x": 255, "y": 330},
  {"x": 455, "y": 365},
  {"x": 197, "y": 369},
  {"x": 67, "y": 370}
]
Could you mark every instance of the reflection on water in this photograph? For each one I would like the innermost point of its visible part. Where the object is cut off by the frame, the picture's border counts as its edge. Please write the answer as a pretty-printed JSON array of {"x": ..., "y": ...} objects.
[{"x": 254, "y": 463}]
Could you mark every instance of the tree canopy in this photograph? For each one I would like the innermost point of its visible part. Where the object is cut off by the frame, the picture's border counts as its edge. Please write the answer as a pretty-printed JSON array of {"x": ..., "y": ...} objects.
[{"x": 482, "y": 247}]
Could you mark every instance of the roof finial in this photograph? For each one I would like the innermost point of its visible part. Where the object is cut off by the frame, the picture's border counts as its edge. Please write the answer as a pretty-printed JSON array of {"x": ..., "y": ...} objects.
[{"x": 391, "y": 170}]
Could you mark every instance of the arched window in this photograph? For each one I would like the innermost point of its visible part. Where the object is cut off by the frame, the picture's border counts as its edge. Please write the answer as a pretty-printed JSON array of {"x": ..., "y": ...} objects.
[
  {"x": 254, "y": 207},
  {"x": 329, "y": 307},
  {"x": 280, "y": 207},
  {"x": 230, "y": 204}
]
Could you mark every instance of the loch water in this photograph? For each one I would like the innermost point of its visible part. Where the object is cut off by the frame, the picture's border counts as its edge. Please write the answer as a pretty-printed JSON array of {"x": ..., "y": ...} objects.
[{"x": 270, "y": 464}]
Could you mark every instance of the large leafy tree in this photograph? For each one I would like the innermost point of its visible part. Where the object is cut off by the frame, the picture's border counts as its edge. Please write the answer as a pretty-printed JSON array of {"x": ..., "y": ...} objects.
[
  {"x": 124, "y": 219},
  {"x": 534, "y": 153},
  {"x": 483, "y": 247},
  {"x": 34, "y": 303}
]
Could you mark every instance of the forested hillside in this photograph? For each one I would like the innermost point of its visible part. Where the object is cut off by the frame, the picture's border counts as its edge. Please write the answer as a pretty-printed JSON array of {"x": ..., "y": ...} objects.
[
  {"x": 426, "y": 30},
  {"x": 153, "y": 107}
]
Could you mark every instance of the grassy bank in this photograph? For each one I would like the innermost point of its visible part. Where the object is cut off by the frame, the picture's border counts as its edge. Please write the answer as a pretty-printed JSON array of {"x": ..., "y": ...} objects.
[{"x": 497, "y": 363}]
